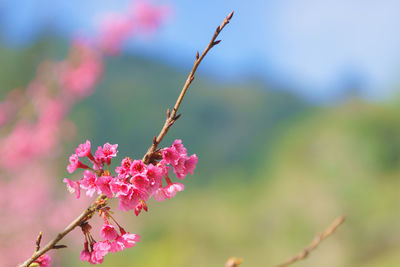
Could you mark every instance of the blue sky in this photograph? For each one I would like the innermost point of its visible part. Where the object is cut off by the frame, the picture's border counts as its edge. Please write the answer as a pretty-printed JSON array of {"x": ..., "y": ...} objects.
[{"x": 314, "y": 47}]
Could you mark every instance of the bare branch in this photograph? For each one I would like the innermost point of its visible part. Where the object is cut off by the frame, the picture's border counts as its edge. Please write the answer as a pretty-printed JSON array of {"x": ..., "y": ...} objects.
[
  {"x": 86, "y": 215},
  {"x": 314, "y": 244},
  {"x": 170, "y": 119}
]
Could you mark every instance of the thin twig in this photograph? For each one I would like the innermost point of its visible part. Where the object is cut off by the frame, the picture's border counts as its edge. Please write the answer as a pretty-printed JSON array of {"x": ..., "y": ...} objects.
[
  {"x": 38, "y": 240},
  {"x": 171, "y": 118},
  {"x": 86, "y": 215},
  {"x": 171, "y": 115},
  {"x": 314, "y": 244}
]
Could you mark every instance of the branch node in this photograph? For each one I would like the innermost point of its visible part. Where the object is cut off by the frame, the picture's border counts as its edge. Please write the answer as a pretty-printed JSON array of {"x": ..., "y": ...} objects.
[
  {"x": 59, "y": 246},
  {"x": 216, "y": 42},
  {"x": 168, "y": 112},
  {"x": 38, "y": 240},
  {"x": 155, "y": 140},
  {"x": 197, "y": 55},
  {"x": 177, "y": 117}
]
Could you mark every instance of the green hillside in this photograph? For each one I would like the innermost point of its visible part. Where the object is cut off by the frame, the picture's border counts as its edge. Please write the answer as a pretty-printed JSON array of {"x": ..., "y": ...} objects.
[{"x": 273, "y": 170}]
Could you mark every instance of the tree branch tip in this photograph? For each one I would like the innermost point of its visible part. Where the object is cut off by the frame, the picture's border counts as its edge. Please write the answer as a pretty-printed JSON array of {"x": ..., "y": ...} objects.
[
  {"x": 38, "y": 240},
  {"x": 168, "y": 112},
  {"x": 197, "y": 55},
  {"x": 218, "y": 29},
  {"x": 230, "y": 15}
]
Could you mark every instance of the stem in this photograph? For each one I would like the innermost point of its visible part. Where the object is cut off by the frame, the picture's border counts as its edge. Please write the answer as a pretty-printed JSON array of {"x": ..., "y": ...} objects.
[
  {"x": 317, "y": 240},
  {"x": 171, "y": 118},
  {"x": 86, "y": 215}
]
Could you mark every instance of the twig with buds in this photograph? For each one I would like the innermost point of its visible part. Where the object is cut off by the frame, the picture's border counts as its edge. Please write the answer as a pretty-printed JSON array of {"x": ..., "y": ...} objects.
[
  {"x": 101, "y": 201},
  {"x": 172, "y": 115},
  {"x": 317, "y": 240}
]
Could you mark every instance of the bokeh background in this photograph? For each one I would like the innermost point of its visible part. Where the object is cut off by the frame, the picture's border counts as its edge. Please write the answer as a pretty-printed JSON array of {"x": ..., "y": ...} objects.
[{"x": 295, "y": 119}]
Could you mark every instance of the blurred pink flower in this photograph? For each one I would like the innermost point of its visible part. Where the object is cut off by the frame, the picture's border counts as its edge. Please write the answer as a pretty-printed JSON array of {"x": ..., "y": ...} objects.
[
  {"x": 108, "y": 232},
  {"x": 73, "y": 187},
  {"x": 44, "y": 260},
  {"x": 82, "y": 72}
]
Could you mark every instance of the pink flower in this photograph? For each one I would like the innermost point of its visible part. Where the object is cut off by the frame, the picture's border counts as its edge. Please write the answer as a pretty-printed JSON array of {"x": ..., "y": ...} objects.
[
  {"x": 103, "y": 184},
  {"x": 179, "y": 168},
  {"x": 170, "y": 155},
  {"x": 185, "y": 165},
  {"x": 179, "y": 147},
  {"x": 160, "y": 195},
  {"x": 100, "y": 249},
  {"x": 147, "y": 16},
  {"x": 73, "y": 187},
  {"x": 171, "y": 189},
  {"x": 164, "y": 168},
  {"x": 137, "y": 167},
  {"x": 124, "y": 170},
  {"x": 74, "y": 164},
  {"x": 126, "y": 240},
  {"x": 85, "y": 254},
  {"x": 140, "y": 181},
  {"x": 154, "y": 174},
  {"x": 129, "y": 240},
  {"x": 88, "y": 182},
  {"x": 116, "y": 246},
  {"x": 119, "y": 187},
  {"x": 106, "y": 153},
  {"x": 83, "y": 150},
  {"x": 139, "y": 207},
  {"x": 190, "y": 164},
  {"x": 108, "y": 232},
  {"x": 79, "y": 76},
  {"x": 115, "y": 29},
  {"x": 130, "y": 200},
  {"x": 44, "y": 260}
]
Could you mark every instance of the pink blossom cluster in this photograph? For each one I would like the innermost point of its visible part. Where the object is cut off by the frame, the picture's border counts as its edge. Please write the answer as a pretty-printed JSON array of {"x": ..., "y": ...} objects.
[
  {"x": 94, "y": 251},
  {"x": 83, "y": 69},
  {"x": 133, "y": 184}
]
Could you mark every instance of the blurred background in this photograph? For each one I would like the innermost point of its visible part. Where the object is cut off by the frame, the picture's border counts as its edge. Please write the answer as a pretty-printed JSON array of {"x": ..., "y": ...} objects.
[{"x": 295, "y": 119}]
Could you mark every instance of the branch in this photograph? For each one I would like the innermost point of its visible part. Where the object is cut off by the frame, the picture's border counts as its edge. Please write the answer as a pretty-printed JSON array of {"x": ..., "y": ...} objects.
[
  {"x": 171, "y": 115},
  {"x": 86, "y": 215},
  {"x": 317, "y": 240},
  {"x": 101, "y": 201}
]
